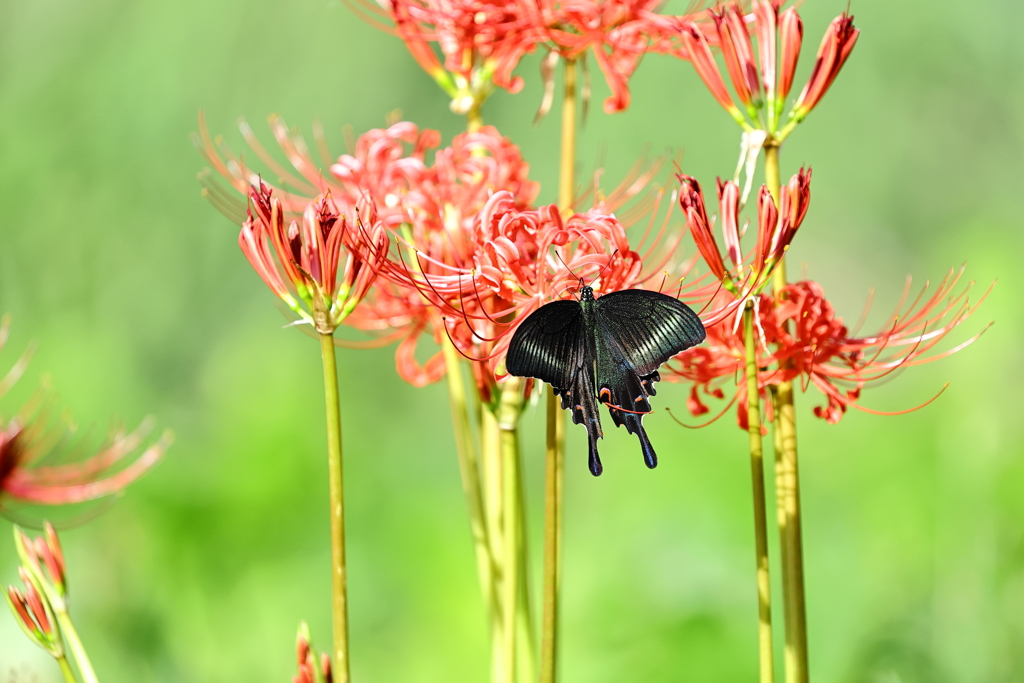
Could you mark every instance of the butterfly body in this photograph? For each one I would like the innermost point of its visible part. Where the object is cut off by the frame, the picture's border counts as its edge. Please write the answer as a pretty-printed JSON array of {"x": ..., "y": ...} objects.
[{"x": 607, "y": 350}]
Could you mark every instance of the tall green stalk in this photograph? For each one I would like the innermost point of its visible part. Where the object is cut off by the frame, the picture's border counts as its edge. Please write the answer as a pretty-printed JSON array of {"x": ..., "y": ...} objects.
[
  {"x": 555, "y": 441},
  {"x": 65, "y": 670},
  {"x": 764, "y": 599},
  {"x": 787, "y": 484},
  {"x": 553, "y": 474},
  {"x": 339, "y": 594},
  {"x": 67, "y": 628},
  {"x": 509, "y": 409},
  {"x": 469, "y": 469}
]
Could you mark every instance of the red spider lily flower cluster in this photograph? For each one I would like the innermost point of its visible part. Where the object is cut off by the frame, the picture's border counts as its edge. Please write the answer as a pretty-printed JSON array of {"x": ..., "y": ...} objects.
[
  {"x": 431, "y": 205},
  {"x": 34, "y": 614},
  {"x": 525, "y": 259},
  {"x": 469, "y": 255},
  {"x": 310, "y": 670},
  {"x": 31, "y": 467},
  {"x": 326, "y": 266},
  {"x": 762, "y": 79},
  {"x": 618, "y": 32},
  {"x": 776, "y": 228},
  {"x": 45, "y": 586},
  {"x": 43, "y": 555},
  {"x": 799, "y": 334},
  {"x": 481, "y": 42}
]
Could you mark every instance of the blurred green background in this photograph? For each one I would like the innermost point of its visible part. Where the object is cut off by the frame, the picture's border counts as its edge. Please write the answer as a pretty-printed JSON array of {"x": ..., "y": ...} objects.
[{"x": 142, "y": 304}]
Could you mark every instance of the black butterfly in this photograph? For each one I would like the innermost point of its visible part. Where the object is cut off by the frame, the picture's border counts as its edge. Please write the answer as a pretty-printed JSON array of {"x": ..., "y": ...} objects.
[{"x": 609, "y": 349}]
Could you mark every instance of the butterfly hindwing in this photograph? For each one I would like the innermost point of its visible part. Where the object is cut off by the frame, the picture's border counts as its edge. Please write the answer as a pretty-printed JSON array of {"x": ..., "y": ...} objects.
[
  {"x": 638, "y": 330},
  {"x": 579, "y": 398},
  {"x": 622, "y": 390},
  {"x": 650, "y": 327}
]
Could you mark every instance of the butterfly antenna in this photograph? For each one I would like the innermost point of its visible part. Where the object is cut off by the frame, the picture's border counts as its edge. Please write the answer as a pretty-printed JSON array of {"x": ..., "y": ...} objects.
[
  {"x": 606, "y": 265},
  {"x": 559, "y": 257}
]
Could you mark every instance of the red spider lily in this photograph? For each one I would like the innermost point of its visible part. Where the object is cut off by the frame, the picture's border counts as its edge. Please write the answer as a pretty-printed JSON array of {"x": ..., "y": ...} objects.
[
  {"x": 25, "y": 477},
  {"x": 33, "y": 612},
  {"x": 481, "y": 42},
  {"x": 832, "y": 53},
  {"x": 619, "y": 32},
  {"x": 776, "y": 228},
  {"x": 429, "y": 203},
  {"x": 509, "y": 271},
  {"x": 35, "y": 470},
  {"x": 762, "y": 78},
  {"x": 309, "y": 670},
  {"x": 43, "y": 555},
  {"x": 525, "y": 259},
  {"x": 308, "y": 256},
  {"x": 801, "y": 337},
  {"x": 443, "y": 213}
]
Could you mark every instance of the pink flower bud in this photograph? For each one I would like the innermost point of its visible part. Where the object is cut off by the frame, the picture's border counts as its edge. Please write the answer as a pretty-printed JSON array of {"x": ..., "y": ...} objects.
[
  {"x": 325, "y": 667},
  {"x": 765, "y": 21},
  {"x": 767, "y": 223},
  {"x": 35, "y": 603},
  {"x": 696, "y": 45},
  {"x": 20, "y": 608},
  {"x": 738, "y": 53},
  {"x": 728, "y": 214},
  {"x": 835, "y": 47},
  {"x": 691, "y": 199},
  {"x": 55, "y": 558},
  {"x": 791, "y": 35}
]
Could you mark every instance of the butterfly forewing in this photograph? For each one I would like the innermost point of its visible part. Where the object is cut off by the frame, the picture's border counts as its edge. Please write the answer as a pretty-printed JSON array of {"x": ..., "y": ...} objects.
[
  {"x": 549, "y": 344},
  {"x": 649, "y": 327}
]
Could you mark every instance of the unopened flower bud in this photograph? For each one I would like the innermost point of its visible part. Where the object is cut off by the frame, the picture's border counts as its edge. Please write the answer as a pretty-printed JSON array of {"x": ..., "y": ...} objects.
[
  {"x": 54, "y": 558},
  {"x": 835, "y": 47},
  {"x": 325, "y": 667}
]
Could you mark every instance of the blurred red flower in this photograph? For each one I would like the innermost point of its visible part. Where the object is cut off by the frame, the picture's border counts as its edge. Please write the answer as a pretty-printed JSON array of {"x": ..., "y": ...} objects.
[{"x": 40, "y": 464}]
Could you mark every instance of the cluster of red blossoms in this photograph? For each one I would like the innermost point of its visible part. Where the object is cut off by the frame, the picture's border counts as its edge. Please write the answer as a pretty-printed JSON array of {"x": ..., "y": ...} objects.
[
  {"x": 481, "y": 43},
  {"x": 800, "y": 336},
  {"x": 444, "y": 240},
  {"x": 402, "y": 237}
]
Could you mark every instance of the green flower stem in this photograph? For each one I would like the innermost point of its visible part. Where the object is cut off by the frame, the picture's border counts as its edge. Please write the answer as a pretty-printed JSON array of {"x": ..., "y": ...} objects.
[
  {"x": 74, "y": 642},
  {"x": 524, "y": 613},
  {"x": 339, "y": 597},
  {"x": 508, "y": 420},
  {"x": 764, "y": 598},
  {"x": 470, "y": 470},
  {"x": 490, "y": 442},
  {"x": 567, "y": 165},
  {"x": 555, "y": 441},
  {"x": 65, "y": 668},
  {"x": 474, "y": 120},
  {"x": 787, "y": 484},
  {"x": 552, "y": 537}
]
